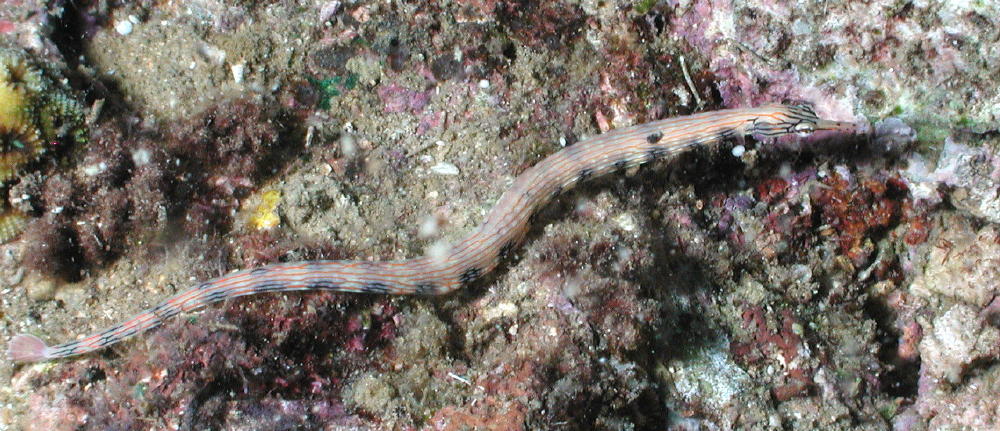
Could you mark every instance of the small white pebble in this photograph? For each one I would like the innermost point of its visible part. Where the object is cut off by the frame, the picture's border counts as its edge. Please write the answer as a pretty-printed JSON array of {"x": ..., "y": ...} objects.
[
  {"x": 141, "y": 157},
  {"x": 626, "y": 222},
  {"x": 444, "y": 168},
  {"x": 212, "y": 53},
  {"x": 572, "y": 287},
  {"x": 428, "y": 227},
  {"x": 739, "y": 150},
  {"x": 328, "y": 10},
  {"x": 348, "y": 145},
  {"x": 123, "y": 27},
  {"x": 238, "y": 69},
  {"x": 95, "y": 169},
  {"x": 843, "y": 171},
  {"x": 484, "y": 84}
]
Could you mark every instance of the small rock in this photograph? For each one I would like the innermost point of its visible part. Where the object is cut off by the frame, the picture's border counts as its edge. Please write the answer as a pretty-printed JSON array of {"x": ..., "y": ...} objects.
[
  {"x": 739, "y": 150},
  {"x": 957, "y": 339},
  {"x": 328, "y": 10},
  {"x": 123, "y": 27},
  {"x": 40, "y": 289},
  {"x": 238, "y": 70},
  {"x": 212, "y": 54},
  {"x": 444, "y": 168}
]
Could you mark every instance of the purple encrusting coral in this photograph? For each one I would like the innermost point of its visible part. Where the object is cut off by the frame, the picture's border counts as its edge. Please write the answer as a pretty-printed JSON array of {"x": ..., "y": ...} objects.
[{"x": 825, "y": 283}]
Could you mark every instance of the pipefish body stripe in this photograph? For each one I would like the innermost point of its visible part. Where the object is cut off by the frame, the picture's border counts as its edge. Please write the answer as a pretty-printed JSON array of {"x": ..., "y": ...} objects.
[{"x": 479, "y": 252}]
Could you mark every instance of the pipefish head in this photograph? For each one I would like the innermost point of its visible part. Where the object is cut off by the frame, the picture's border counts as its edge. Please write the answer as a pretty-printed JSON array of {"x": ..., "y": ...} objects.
[{"x": 798, "y": 119}]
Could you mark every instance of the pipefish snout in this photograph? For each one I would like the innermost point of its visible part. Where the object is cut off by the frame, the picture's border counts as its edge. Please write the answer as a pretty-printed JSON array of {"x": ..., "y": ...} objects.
[{"x": 479, "y": 252}]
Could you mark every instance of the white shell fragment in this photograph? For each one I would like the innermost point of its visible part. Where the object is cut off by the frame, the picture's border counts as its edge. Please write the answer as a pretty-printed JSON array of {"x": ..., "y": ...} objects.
[{"x": 444, "y": 168}]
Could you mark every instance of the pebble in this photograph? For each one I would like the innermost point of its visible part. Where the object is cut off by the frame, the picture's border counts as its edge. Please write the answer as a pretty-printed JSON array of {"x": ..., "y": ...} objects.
[
  {"x": 328, "y": 10},
  {"x": 739, "y": 150},
  {"x": 142, "y": 157},
  {"x": 428, "y": 227},
  {"x": 123, "y": 27},
  {"x": 444, "y": 168},
  {"x": 212, "y": 53},
  {"x": 41, "y": 289},
  {"x": 95, "y": 169},
  {"x": 238, "y": 69}
]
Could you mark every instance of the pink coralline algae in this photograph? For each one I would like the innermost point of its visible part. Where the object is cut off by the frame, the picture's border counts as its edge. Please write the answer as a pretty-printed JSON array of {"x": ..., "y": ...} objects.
[
  {"x": 784, "y": 342},
  {"x": 399, "y": 99}
]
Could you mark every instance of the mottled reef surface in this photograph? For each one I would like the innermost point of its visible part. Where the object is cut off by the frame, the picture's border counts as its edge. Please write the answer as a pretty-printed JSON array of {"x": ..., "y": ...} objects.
[{"x": 845, "y": 283}]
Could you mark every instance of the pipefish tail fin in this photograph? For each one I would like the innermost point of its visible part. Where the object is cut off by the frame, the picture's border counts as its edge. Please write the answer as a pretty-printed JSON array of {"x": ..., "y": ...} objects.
[{"x": 27, "y": 348}]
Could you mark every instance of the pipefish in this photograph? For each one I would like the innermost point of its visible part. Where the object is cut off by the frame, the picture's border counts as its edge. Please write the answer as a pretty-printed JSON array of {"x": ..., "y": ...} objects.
[{"x": 480, "y": 251}]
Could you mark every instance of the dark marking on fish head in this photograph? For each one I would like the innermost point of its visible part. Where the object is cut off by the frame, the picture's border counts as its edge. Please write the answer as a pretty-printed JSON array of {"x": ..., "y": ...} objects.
[{"x": 653, "y": 138}]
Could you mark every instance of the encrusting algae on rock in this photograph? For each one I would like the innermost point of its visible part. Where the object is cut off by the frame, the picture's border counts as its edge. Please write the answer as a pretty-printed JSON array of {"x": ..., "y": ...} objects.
[
  {"x": 265, "y": 216},
  {"x": 35, "y": 112}
]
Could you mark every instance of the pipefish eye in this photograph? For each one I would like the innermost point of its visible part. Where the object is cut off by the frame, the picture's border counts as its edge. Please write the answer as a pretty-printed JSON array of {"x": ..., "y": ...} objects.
[{"x": 804, "y": 128}]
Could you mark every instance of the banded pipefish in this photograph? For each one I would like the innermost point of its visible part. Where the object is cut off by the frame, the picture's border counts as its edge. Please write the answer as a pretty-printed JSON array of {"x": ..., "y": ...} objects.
[{"x": 480, "y": 251}]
